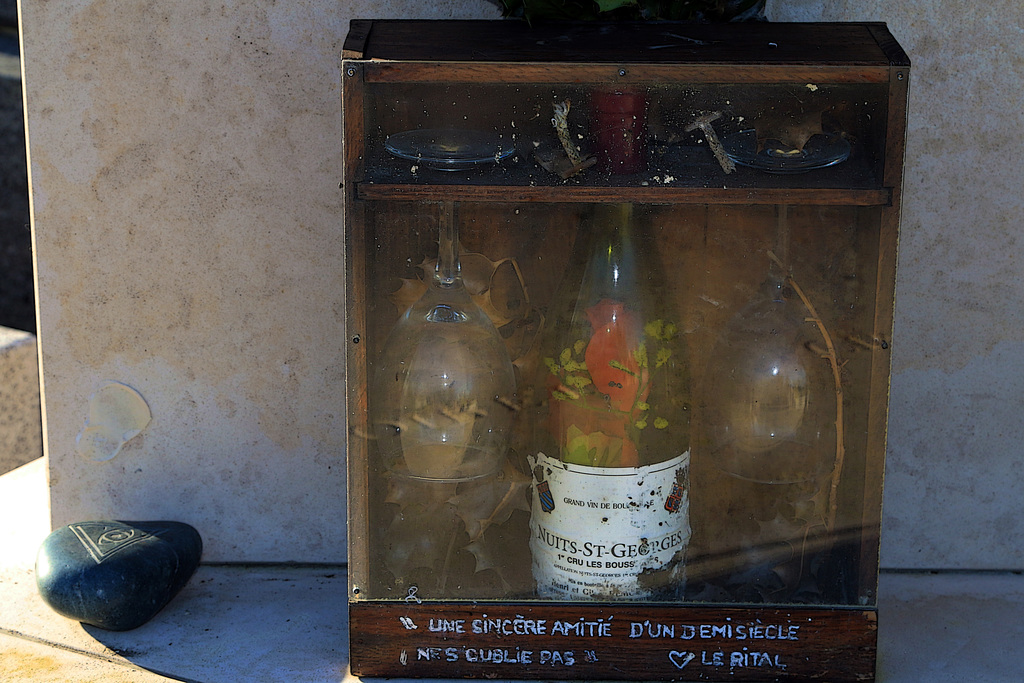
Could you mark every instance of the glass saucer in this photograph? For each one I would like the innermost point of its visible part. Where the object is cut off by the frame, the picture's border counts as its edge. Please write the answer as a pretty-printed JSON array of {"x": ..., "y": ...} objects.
[
  {"x": 449, "y": 149},
  {"x": 820, "y": 151}
]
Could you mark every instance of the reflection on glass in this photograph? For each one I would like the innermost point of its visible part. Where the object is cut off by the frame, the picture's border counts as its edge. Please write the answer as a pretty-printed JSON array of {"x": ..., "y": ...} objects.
[
  {"x": 444, "y": 383},
  {"x": 770, "y": 418},
  {"x": 774, "y": 156},
  {"x": 765, "y": 415},
  {"x": 449, "y": 149},
  {"x": 442, "y": 404}
]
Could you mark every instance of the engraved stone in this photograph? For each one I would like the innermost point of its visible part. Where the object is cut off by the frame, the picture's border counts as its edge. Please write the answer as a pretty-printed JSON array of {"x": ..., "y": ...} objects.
[{"x": 116, "y": 575}]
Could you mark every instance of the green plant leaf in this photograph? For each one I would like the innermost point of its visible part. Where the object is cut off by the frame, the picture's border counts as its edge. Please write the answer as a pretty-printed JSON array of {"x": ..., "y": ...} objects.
[
  {"x": 575, "y": 366},
  {"x": 640, "y": 355},
  {"x": 577, "y": 381},
  {"x": 619, "y": 366},
  {"x": 612, "y": 5},
  {"x": 654, "y": 328}
]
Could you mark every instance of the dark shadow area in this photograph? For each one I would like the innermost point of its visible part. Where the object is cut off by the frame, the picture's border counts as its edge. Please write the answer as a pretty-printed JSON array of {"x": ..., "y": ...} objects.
[
  {"x": 17, "y": 301},
  {"x": 245, "y": 622}
]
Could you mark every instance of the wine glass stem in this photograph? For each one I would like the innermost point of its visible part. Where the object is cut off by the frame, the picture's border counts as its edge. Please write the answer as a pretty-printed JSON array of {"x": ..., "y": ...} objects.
[{"x": 447, "y": 271}]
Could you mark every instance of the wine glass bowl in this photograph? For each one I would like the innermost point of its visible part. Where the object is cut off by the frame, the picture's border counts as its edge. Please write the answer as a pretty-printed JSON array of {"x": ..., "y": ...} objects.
[
  {"x": 444, "y": 385},
  {"x": 771, "y": 414}
]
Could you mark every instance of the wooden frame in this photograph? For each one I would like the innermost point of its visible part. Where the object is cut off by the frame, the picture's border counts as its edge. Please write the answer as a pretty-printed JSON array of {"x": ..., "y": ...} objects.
[{"x": 399, "y": 632}]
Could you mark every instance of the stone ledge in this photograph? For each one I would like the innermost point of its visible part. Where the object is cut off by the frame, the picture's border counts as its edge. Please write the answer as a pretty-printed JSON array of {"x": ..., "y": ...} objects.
[{"x": 21, "y": 438}]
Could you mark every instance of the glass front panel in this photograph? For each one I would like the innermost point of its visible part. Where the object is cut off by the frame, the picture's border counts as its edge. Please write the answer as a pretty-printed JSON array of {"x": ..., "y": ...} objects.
[
  {"x": 774, "y": 308},
  {"x": 663, "y": 135},
  {"x": 612, "y": 398}
]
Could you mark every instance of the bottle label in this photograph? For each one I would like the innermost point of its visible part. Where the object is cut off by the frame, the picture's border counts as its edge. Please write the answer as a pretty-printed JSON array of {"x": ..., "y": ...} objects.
[{"x": 609, "y": 533}]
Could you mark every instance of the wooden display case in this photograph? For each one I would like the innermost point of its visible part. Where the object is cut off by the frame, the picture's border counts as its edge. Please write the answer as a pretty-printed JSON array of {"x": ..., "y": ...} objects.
[{"x": 781, "y": 571}]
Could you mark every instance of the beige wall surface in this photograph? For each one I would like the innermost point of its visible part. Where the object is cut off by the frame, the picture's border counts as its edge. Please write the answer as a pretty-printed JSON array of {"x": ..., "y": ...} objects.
[{"x": 185, "y": 161}]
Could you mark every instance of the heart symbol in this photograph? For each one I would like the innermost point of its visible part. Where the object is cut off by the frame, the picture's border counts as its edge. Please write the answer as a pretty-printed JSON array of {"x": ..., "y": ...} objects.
[{"x": 681, "y": 659}]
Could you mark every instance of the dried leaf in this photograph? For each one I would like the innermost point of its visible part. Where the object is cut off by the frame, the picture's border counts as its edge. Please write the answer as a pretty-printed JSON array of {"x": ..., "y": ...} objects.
[
  {"x": 408, "y": 493},
  {"x": 788, "y": 133},
  {"x": 491, "y": 501},
  {"x": 424, "y": 522},
  {"x": 476, "y": 270},
  {"x": 561, "y": 165},
  {"x": 505, "y": 299},
  {"x": 484, "y": 555},
  {"x": 407, "y": 294},
  {"x": 418, "y": 538}
]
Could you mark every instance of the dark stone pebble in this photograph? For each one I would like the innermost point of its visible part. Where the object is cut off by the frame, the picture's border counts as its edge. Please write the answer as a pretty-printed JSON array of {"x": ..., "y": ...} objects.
[{"x": 116, "y": 575}]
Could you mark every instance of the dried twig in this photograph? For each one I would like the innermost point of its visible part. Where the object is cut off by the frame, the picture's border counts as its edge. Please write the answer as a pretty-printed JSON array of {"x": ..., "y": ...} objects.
[
  {"x": 561, "y": 123},
  {"x": 703, "y": 123},
  {"x": 833, "y": 361},
  {"x": 562, "y": 166},
  {"x": 573, "y": 162}
]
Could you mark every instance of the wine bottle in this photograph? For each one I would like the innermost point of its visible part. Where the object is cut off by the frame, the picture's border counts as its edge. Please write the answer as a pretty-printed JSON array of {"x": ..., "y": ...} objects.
[{"x": 610, "y": 455}]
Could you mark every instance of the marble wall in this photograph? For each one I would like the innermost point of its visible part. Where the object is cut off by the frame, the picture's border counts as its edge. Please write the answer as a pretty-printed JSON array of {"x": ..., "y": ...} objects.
[{"x": 185, "y": 161}]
